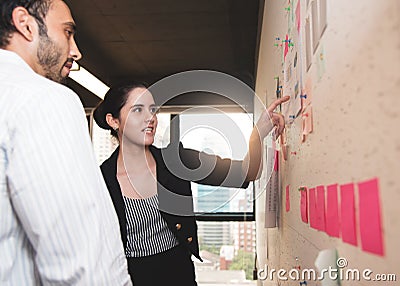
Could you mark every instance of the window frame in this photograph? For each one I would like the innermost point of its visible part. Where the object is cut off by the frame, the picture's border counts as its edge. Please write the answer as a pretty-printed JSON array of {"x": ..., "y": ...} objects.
[{"x": 245, "y": 216}]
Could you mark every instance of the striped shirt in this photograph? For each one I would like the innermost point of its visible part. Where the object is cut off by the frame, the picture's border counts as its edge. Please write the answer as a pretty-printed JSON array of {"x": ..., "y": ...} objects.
[
  {"x": 57, "y": 222},
  {"x": 148, "y": 233}
]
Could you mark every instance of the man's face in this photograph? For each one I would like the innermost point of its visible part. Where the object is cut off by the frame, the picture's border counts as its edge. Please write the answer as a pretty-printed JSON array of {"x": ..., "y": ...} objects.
[{"x": 57, "y": 49}]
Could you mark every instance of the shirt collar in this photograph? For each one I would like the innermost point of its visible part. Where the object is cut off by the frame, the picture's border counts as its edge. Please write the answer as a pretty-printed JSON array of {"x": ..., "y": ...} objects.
[{"x": 7, "y": 56}]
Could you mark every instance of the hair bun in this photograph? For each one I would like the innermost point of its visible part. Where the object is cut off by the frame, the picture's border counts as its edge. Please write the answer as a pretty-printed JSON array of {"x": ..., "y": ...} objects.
[{"x": 100, "y": 116}]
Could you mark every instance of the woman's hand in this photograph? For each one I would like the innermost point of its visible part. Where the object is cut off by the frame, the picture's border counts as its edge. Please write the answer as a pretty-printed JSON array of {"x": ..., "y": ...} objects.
[
  {"x": 270, "y": 119},
  {"x": 252, "y": 163}
]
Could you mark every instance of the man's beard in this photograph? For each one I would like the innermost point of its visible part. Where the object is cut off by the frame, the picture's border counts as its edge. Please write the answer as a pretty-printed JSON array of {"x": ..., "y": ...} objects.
[{"x": 49, "y": 58}]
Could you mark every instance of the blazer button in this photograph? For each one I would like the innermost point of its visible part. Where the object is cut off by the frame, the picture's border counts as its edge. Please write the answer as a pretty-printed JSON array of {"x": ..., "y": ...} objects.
[
  {"x": 178, "y": 226},
  {"x": 189, "y": 239}
]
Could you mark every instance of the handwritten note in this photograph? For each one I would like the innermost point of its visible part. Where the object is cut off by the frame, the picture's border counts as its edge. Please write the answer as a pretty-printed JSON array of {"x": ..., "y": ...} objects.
[
  {"x": 348, "y": 214},
  {"x": 332, "y": 211},
  {"x": 370, "y": 217}
]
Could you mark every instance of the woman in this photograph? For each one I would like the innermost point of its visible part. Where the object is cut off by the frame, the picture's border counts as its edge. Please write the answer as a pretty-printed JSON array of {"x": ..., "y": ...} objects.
[{"x": 150, "y": 187}]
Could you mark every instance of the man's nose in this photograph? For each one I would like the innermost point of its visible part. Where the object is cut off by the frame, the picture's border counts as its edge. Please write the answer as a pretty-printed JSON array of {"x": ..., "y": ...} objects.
[{"x": 74, "y": 51}]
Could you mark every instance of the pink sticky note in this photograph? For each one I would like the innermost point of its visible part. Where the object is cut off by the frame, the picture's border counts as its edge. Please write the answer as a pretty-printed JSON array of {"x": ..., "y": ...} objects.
[
  {"x": 312, "y": 208},
  {"x": 348, "y": 214},
  {"x": 370, "y": 217},
  {"x": 287, "y": 198},
  {"x": 321, "y": 208},
  {"x": 298, "y": 16},
  {"x": 286, "y": 47},
  {"x": 304, "y": 204},
  {"x": 332, "y": 211}
]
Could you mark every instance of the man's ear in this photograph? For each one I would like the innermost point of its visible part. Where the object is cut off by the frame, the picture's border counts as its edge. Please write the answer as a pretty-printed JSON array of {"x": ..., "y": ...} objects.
[
  {"x": 24, "y": 23},
  {"x": 113, "y": 122}
]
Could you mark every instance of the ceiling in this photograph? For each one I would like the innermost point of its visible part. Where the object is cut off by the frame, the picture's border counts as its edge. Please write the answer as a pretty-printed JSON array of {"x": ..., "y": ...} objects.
[{"x": 150, "y": 39}]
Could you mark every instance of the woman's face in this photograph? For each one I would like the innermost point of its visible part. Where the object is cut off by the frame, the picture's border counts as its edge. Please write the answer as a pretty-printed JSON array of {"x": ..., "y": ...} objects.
[{"x": 138, "y": 120}]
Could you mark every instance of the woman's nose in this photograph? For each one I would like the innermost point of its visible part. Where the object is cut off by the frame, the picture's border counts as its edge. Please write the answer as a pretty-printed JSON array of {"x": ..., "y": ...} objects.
[{"x": 149, "y": 117}]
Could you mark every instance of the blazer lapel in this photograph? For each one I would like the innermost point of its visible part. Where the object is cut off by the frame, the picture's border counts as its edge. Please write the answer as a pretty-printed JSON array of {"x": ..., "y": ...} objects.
[{"x": 109, "y": 169}]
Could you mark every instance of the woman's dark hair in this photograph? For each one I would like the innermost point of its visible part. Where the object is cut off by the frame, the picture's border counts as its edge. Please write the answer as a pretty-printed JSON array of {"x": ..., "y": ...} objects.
[
  {"x": 113, "y": 101},
  {"x": 37, "y": 8}
]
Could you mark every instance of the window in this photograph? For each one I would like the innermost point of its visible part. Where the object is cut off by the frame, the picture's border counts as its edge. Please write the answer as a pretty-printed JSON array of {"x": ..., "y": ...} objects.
[{"x": 226, "y": 135}]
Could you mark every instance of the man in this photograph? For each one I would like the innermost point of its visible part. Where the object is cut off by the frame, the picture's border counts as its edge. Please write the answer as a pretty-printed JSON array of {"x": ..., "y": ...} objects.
[{"x": 57, "y": 221}]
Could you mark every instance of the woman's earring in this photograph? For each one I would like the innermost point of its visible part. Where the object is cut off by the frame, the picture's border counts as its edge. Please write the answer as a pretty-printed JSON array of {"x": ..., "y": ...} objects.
[{"x": 115, "y": 128}]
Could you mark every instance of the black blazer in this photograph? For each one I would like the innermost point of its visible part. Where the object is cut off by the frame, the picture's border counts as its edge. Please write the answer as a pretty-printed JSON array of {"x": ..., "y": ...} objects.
[{"x": 176, "y": 167}]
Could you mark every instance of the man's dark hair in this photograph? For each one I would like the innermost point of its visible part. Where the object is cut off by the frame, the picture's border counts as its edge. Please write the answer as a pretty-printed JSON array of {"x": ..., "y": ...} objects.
[{"x": 37, "y": 8}]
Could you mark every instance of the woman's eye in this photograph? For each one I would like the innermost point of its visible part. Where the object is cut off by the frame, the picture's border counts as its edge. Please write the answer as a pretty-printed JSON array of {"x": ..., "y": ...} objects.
[
  {"x": 153, "y": 110},
  {"x": 137, "y": 109}
]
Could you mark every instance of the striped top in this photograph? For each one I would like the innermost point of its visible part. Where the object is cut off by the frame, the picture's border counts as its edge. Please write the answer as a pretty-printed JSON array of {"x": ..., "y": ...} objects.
[
  {"x": 57, "y": 221},
  {"x": 148, "y": 233}
]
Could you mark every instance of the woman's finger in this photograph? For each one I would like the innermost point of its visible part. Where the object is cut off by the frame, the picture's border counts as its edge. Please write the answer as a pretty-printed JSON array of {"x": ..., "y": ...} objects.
[{"x": 277, "y": 102}]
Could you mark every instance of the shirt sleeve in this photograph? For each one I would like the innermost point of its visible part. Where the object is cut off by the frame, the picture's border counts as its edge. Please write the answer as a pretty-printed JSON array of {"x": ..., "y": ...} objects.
[
  {"x": 207, "y": 169},
  {"x": 58, "y": 193}
]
